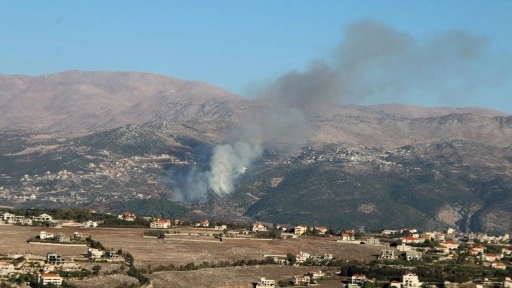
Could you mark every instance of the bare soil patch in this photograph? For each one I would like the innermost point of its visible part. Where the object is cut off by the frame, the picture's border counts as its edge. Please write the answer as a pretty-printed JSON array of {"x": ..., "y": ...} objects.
[
  {"x": 180, "y": 249},
  {"x": 184, "y": 249},
  {"x": 233, "y": 277}
]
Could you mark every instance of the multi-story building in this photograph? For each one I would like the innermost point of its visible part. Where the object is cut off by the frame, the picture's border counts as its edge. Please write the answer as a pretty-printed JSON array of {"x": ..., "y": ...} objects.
[
  {"x": 299, "y": 230},
  {"x": 264, "y": 283},
  {"x": 49, "y": 278},
  {"x": 302, "y": 257},
  {"x": 410, "y": 280},
  {"x": 53, "y": 258}
]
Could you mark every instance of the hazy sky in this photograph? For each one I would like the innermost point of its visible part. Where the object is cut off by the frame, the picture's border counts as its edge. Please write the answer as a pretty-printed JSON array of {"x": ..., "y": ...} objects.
[{"x": 238, "y": 45}]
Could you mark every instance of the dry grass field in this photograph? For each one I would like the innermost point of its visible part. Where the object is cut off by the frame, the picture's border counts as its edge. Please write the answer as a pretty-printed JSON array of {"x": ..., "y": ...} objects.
[
  {"x": 232, "y": 277},
  {"x": 13, "y": 239},
  {"x": 186, "y": 248}
]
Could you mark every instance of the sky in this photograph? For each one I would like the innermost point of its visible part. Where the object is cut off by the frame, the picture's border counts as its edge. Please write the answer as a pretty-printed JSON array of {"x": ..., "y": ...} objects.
[{"x": 240, "y": 45}]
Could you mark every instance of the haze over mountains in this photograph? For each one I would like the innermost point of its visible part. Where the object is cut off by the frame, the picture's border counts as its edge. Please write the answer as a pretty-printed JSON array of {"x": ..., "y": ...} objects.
[
  {"x": 405, "y": 153},
  {"x": 77, "y": 100}
]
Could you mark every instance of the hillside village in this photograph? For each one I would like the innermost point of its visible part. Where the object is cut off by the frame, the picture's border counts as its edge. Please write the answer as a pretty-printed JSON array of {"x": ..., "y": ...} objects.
[
  {"x": 91, "y": 181},
  {"x": 405, "y": 250},
  {"x": 104, "y": 170}
]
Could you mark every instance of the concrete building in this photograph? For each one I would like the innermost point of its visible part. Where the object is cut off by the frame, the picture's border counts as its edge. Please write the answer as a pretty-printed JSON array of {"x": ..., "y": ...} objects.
[
  {"x": 160, "y": 224},
  {"x": 410, "y": 280},
  {"x": 264, "y": 283},
  {"x": 49, "y": 278}
]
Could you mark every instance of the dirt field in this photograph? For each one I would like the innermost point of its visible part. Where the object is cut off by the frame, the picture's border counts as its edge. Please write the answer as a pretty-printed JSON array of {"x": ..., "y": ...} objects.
[
  {"x": 13, "y": 239},
  {"x": 117, "y": 280},
  {"x": 178, "y": 249},
  {"x": 186, "y": 248},
  {"x": 234, "y": 277}
]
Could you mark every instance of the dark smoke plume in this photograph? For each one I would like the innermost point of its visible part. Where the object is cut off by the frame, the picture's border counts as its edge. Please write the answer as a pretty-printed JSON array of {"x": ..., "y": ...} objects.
[{"x": 373, "y": 61}]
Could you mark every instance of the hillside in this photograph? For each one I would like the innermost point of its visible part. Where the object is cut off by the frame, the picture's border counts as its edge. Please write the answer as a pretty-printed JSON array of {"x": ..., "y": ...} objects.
[
  {"x": 77, "y": 100},
  {"x": 101, "y": 139},
  {"x": 449, "y": 184}
]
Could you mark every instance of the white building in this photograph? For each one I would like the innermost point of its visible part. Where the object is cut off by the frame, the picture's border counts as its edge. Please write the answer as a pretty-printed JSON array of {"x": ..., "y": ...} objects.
[
  {"x": 264, "y": 283},
  {"x": 303, "y": 280},
  {"x": 413, "y": 255},
  {"x": 403, "y": 248},
  {"x": 259, "y": 227},
  {"x": 221, "y": 227},
  {"x": 90, "y": 224},
  {"x": 93, "y": 253},
  {"x": 26, "y": 221},
  {"x": 299, "y": 230},
  {"x": 316, "y": 274},
  {"x": 42, "y": 217},
  {"x": 387, "y": 254},
  {"x": 302, "y": 257},
  {"x": 410, "y": 280},
  {"x": 347, "y": 237},
  {"x": 160, "y": 224},
  {"x": 43, "y": 235},
  {"x": 373, "y": 241},
  {"x": 507, "y": 283},
  {"x": 49, "y": 278},
  {"x": 6, "y": 268},
  {"x": 8, "y": 217},
  {"x": 358, "y": 279}
]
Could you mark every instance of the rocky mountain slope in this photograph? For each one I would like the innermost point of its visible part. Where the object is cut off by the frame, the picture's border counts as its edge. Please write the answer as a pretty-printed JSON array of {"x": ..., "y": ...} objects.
[
  {"x": 76, "y": 100},
  {"x": 99, "y": 139}
]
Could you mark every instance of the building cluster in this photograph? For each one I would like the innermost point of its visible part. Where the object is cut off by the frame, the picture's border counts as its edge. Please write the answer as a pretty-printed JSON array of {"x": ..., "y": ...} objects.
[
  {"x": 361, "y": 153},
  {"x": 47, "y": 268},
  {"x": 300, "y": 258},
  {"x": 9, "y": 218},
  {"x": 127, "y": 216},
  {"x": 308, "y": 278},
  {"x": 409, "y": 280},
  {"x": 264, "y": 283},
  {"x": 63, "y": 183},
  {"x": 101, "y": 255},
  {"x": 413, "y": 247},
  {"x": 60, "y": 237}
]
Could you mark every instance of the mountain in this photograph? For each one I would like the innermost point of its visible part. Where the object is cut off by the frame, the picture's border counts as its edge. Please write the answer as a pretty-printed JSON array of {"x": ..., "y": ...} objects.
[
  {"x": 77, "y": 100},
  {"x": 100, "y": 139}
]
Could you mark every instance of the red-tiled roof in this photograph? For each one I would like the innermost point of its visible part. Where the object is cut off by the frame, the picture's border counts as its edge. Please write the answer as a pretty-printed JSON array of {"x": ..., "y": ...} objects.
[
  {"x": 161, "y": 221},
  {"x": 50, "y": 275}
]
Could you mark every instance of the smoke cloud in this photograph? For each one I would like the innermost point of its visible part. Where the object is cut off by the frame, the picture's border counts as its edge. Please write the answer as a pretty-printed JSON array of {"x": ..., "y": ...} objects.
[{"x": 372, "y": 62}]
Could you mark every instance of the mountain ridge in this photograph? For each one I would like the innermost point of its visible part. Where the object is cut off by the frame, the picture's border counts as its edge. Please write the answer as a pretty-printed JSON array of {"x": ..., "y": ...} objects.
[
  {"x": 101, "y": 138},
  {"x": 91, "y": 100}
]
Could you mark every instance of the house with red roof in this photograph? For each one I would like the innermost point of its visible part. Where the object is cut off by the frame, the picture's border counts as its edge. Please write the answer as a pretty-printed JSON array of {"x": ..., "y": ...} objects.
[
  {"x": 160, "y": 224},
  {"x": 127, "y": 216},
  {"x": 412, "y": 239},
  {"x": 498, "y": 265},
  {"x": 451, "y": 244},
  {"x": 49, "y": 278},
  {"x": 358, "y": 279},
  {"x": 489, "y": 257}
]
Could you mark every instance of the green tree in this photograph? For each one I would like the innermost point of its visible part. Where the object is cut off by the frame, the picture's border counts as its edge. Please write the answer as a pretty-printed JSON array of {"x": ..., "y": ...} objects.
[
  {"x": 291, "y": 258},
  {"x": 96, "y": 270},
  {"x": 275, "y": 233}
]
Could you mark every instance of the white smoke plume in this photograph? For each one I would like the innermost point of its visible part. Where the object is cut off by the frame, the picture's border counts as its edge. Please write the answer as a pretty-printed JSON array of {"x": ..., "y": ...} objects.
[
  {"x": 373, "y": 61},
  {"x": 229, "y": 162}
]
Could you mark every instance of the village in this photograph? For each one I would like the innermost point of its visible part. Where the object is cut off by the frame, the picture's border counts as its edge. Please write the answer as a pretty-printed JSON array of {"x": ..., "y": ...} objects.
[
  {"x": 405, "y": 250},
  {"x": 94, "y": 177}
]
